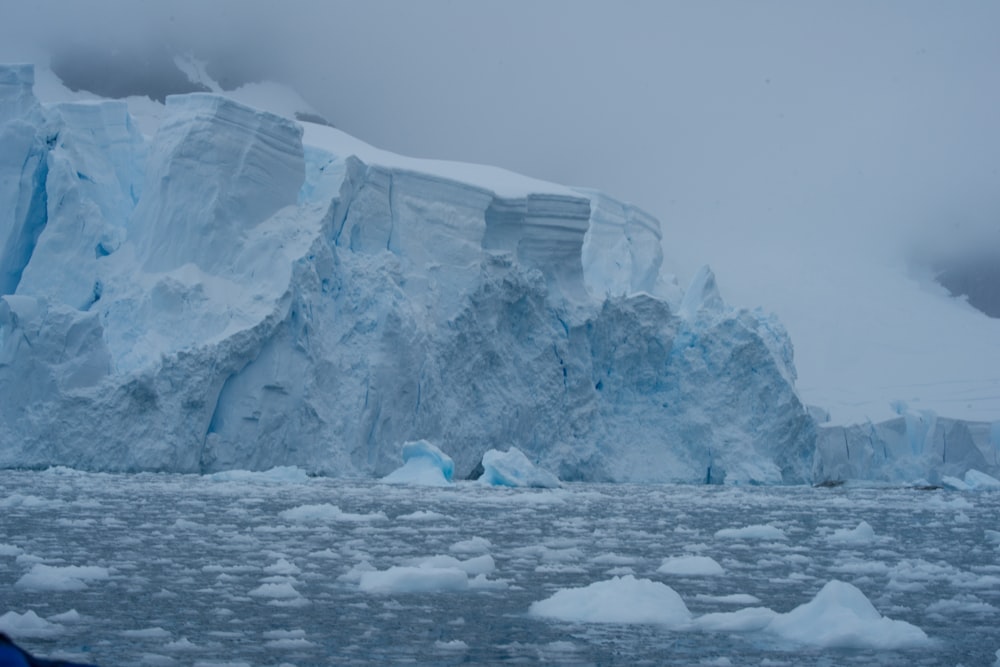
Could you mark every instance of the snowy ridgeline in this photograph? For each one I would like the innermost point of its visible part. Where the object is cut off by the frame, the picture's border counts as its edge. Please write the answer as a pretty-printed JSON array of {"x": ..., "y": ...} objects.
[
  {"x": 223, "y": 296},
  {"x": 244, "y": 291}
]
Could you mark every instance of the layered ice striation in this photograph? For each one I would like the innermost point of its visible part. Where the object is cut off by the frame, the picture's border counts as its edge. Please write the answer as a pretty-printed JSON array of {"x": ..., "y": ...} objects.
[{"x": 245, "y": 291}]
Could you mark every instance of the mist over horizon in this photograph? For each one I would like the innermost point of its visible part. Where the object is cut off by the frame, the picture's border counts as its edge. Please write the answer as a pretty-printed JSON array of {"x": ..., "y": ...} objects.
[{"x": 766, "y": 124}]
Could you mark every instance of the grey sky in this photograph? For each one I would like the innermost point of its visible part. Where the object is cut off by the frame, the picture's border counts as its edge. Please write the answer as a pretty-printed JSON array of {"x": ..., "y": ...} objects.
[{"x": 749, "y": 128}]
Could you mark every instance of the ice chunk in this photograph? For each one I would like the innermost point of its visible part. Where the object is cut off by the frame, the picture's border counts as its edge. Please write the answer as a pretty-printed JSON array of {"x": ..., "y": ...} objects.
[
  {"x": 28, "y": 625},
  {"x": 327, "y": 513},
  {"x": 436, "y": 574},
  {"x": 275, "y": 591},
  {"x": 52, "y": 578},
  {"x": 980, "y": 481},
  {"x": 756, "y": 532},
  {"x": 691, "y": 566},
  {"x": 403, "y": 579},
  {"x": 424, "y": 465},
  {"x": 863, "y": 533},
  {"x": 617, "y": 600},
  {"x": 473, "y": 545},
  {"x": 513, "y": 468},
  {"x": 841, "y": 616}
]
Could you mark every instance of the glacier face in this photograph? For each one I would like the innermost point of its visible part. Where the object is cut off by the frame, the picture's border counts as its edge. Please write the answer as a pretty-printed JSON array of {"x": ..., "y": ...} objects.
[
  {"x": 916, "y": 446},
  {"x": 224, "y": 296}
]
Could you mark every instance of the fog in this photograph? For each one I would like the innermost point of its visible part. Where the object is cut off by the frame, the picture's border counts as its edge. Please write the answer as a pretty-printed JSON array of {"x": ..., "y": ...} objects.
[{"x": 767, "y": 137}]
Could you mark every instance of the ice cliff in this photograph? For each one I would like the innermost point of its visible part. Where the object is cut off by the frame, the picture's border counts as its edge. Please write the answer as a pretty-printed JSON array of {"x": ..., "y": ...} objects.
[
  {"x": 233, "y": 293},
  {"x": 917, "y": 446}
]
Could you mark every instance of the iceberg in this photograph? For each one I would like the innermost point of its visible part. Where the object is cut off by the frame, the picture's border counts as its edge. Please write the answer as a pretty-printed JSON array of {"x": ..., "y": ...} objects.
[
  {"x": 424, "y": 465},
  {"x": 513, "y": 468},
  {"x": 244, "y": 291}
]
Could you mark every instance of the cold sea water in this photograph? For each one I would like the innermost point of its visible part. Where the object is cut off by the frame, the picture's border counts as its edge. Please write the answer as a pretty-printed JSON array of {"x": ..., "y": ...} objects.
[{"x": 270, "y": 569}]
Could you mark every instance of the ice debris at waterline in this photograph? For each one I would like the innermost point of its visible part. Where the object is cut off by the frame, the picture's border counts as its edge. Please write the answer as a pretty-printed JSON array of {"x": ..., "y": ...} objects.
[{"x": 245, "y": 291}]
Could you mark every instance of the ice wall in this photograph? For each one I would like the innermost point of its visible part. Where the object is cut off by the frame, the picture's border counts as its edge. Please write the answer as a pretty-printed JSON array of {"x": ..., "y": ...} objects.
[
  {"x": 916, "y": 447},
  {"x": 222, "y": 297}
]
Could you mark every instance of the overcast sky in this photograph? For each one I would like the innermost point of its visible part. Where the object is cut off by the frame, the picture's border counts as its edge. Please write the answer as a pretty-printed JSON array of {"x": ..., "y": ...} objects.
[
  {"x": 756, "y": 121},
  {"x": 770, "y": 125}
]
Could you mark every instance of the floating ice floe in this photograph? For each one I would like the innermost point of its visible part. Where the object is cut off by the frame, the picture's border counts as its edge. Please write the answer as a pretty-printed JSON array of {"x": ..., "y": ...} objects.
[
  {"x": 839, "y": 616},
  {"x": 513, "y": 468},
  {"x": 862, "y": 534},
  {"x": 756, "y": 532},
  {"x": 327, "y": 513},
  {"x": 617, "y": 600},
  {"x": 28, "y": 625},
  {"x": 691, "y": 566},
  {"x": 69, "y": 578},
  {"x": 437, "y": 574},
  {"x": 423, "y": 465}
]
